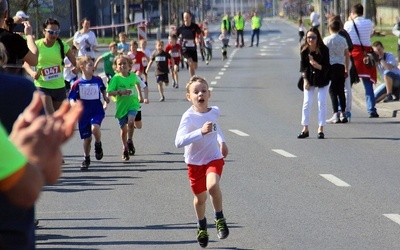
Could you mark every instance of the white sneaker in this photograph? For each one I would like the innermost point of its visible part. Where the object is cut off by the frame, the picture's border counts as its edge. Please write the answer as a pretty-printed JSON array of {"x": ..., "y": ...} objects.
[{"x": 334, "y": 119}]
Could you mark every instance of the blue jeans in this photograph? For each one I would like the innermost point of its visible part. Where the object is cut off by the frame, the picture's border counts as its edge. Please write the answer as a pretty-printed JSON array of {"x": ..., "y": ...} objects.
[
  {"x": 369, "y": 95},
  {"x": 255, "y": 32}
]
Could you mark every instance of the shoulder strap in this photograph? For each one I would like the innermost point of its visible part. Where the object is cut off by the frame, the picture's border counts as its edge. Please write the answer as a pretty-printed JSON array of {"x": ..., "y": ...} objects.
[
  {"x": 355, "y": 27},
  {"x": 61, "y": 50}
]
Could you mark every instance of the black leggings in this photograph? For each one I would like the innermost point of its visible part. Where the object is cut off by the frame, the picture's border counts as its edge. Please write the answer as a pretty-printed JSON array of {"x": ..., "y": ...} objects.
[{"x": 336, "y": 90}]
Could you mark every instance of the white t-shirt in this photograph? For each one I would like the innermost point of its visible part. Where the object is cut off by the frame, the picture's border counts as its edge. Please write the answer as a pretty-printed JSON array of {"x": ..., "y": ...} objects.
[
  {"x": 68, "y": 74},
  {"x": 87, "y": 42},
  {"x": 365, "y": 28},
  {"x": 199, "y": 149},
  {"x": 314, "y": 18},
  {"x": 336, "y": 44}
]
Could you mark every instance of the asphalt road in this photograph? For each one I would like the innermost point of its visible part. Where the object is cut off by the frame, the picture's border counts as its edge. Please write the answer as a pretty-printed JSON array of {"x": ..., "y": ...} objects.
[{"x": 279, "y": 192}]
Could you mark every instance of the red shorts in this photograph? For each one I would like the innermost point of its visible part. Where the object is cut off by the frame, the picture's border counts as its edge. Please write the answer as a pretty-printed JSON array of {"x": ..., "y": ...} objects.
[{"x": 197, "y": 174}]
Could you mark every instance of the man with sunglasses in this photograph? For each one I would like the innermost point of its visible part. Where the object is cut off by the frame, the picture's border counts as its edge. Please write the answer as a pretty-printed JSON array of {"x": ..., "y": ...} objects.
[{"x": 18, "y": 49}]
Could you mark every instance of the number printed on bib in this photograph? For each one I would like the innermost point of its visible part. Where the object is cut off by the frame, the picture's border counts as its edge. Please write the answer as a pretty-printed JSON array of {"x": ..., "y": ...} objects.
[
  {"x": 189, "y": 43},
  {"x": 144, "y": 61},
  {"x": 51, "y": 73},
  {"x": 136, "y": 67},
  {"x": 160, "y": 58},
  {"x": 175, "y": 54},
  {"x": 89, "y": 91}
]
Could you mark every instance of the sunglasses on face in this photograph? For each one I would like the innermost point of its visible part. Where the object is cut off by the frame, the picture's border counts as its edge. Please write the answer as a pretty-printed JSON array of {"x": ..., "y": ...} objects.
[
  {"x": 312, "y": 37},
  {"x": 53, "y": 32}
]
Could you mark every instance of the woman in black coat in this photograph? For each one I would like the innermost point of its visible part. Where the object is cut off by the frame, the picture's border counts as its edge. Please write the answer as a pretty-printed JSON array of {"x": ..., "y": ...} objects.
[{"x": 314, "y": 67}]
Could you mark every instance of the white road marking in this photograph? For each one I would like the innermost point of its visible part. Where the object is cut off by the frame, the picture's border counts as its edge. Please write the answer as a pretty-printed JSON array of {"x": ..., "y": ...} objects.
[
  {"x": 213, "y": 82},
  {"x": 283, "y": 152},
  {"x": 226, "y": 66},
  {"x": 220, "y": 73},
  {"x": 338, "y": 182},
  {"x": 217, "y": 77},
  {"x": 210, "y": 88},
  {"x": 223, "y": 69},
  {"x": 393, "y": 217},
  {"x": 238, "y": 132}
]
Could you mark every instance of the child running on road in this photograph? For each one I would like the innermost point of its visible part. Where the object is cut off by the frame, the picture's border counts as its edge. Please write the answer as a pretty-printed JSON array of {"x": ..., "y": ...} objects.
[
  {"x": 208, "y": 41},
  {"x": 205, "y": 149},
  {"x": 161, "y": 58},
  {"x": 224, "y": 37},
  {"x": 125, "y": 86},
  {"x": 88, "y": 89},
  {"x": 108, "y": 58},
  {"x": 175, "y": 50}
]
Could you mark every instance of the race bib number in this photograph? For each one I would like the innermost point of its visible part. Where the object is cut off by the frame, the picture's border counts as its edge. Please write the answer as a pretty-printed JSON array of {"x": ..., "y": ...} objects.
[
  {"x": 144, "y": 61},
  {"x": 51, "y": 73},
  {"x": 189, "y": 43},
  {"x": 136, "y": 67},
  {"x": 89, "y": 91},
  {"x": 111, "y": 59},
  {"x": 175, "y": 54},
  {"x": 160, "y": 58}
]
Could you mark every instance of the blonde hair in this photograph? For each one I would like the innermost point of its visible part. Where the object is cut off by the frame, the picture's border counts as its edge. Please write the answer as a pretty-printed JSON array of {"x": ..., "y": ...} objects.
[
  {"x": 122, "y": 57},
  {"x": 82, "y": 60},
  {"x": 194, "y": 79}
]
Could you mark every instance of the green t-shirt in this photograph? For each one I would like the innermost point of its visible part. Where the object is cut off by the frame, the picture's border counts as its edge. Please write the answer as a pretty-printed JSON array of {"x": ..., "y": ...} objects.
[
  {"x": 108, "y": 58},
  {"x": 11, "y": 160},
  {"x": 50, "y": 63},
  {"x": 125, "y": 103}
]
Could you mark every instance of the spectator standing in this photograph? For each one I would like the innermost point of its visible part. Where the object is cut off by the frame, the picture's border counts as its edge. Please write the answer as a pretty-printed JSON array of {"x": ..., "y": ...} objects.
[
  {"x": 314, "y": 17},
  {"x": 85, "y": 40},
  {"x": 17, "y": 48},
  {"x": 25, "y": 169},
  {"x": 339, "y": 60},
  {"x": 255, "y": 27},
  {"x": 226, "y": 23},
  {"x": 387, "y": 68},
  {"x": 239, "y": 27},
  {"x": 362, "y": 43},
  {"x": 314, "y": 67}
]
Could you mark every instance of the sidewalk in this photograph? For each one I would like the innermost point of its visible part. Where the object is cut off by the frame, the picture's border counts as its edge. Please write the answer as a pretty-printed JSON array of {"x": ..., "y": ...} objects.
[{"x": 390, "y": 109}]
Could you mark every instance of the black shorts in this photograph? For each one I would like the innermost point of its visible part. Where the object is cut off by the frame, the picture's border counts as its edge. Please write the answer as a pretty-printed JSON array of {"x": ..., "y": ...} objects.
[
  {"x": 190, "y": 53},
  {"x": 138, "y": 116},
  {"x": 162, "y": 78},
  {"x": 57, "y": 95}
]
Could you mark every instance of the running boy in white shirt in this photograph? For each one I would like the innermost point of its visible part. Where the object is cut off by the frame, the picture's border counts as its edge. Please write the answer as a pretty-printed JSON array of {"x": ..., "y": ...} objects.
[{"x": 205, "y": 149}]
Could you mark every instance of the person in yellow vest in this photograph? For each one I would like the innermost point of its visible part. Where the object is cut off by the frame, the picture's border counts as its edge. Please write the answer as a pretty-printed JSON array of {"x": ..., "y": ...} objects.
[
  {"x": 255, "y": 26},
  {"x": 226, "y": 23},
  {"x": 239, "y": 27}
]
